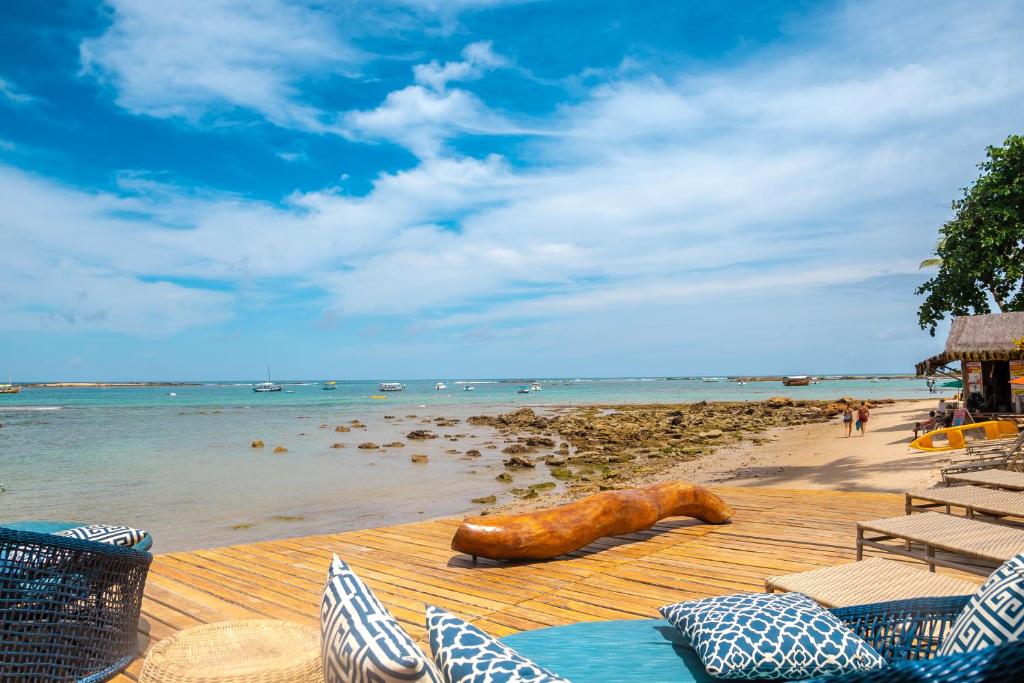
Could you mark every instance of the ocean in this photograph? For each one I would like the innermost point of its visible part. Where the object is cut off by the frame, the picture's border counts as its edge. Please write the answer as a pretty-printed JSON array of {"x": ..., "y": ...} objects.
[{"x": 177, "y": 461}]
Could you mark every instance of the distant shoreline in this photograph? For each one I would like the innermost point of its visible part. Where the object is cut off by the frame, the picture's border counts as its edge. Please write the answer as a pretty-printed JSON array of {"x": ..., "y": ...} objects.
[
  {"x": 671, "y": 378},
  {"x": 103, "y": 385}
]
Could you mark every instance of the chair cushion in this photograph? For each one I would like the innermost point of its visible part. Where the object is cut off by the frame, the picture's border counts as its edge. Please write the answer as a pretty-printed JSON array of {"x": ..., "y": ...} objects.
[
  {"x": 361, "y": 641},
  {"x": 465, "y": 654},
  {"x": 105, "y": 533},
  {"x": 765, "y": 636},
  {"x": 994, "y": 615}
]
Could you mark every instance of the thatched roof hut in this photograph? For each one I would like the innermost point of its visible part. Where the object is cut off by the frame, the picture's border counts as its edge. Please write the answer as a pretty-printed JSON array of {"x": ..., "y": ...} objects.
[{"x": 979, "y": 337}]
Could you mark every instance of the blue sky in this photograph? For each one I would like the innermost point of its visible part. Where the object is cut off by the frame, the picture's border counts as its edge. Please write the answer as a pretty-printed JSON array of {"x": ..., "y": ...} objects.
[{"x": 421, "y": 188}]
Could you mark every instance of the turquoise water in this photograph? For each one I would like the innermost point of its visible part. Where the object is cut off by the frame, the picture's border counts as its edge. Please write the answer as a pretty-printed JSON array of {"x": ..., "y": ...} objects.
[{"x": 182, "y": 467}]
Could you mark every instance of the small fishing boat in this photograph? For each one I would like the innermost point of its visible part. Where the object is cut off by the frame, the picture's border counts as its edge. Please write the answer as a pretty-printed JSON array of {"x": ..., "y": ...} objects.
[
  {"x": 330, "y": 386},
  {"x": 9, "y": 389},
  {"x": 391, "y": 386},
  {"x": 523, "y": 390},
  {"x": 534, "y": 386},
  {"x": 440, "y": 386},
  {"x": 266, "y": 387},
  {"x": 796, "y": 381}
]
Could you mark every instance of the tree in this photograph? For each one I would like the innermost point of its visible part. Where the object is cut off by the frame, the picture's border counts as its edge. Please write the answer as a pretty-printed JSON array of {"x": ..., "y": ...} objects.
[{"x": 980, "y": 252}]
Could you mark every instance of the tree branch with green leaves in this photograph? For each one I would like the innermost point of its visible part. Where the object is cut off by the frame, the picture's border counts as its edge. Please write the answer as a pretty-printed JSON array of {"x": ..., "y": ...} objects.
[{"x": 980, "y": 251}]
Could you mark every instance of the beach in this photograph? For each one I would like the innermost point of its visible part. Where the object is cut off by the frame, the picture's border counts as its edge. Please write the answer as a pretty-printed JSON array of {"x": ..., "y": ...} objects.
[{"x": 184, "y": 468}]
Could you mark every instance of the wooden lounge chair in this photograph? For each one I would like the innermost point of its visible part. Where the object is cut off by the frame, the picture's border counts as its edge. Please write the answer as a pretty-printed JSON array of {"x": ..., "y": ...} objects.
[
  {"x": 998, "y": 461},
  {"x": 1013, "y": 444},
  {"x": 920, "y": 536},
  {"x": 997, "y": 479},
  {"x": 873, "y": 580},
  {"x": 975, "y": 500}
]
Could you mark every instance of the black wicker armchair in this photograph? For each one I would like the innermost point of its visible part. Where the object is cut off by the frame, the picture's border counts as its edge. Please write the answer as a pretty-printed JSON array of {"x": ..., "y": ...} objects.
[{"x": 69, "y": 609}]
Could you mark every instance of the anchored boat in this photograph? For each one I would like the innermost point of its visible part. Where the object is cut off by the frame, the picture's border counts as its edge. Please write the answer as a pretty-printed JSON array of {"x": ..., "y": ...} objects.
[
  {"x": 266, "y": 387},
  {"x": 330, "y": 386},
  {"x": 391, "y": 386}
]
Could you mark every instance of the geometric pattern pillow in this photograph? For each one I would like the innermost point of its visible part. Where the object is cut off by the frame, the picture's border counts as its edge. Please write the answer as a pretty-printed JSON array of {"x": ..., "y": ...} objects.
[
  {"x": 465, "y": 654},
  {"x": 770, "y": 635},
  {"x": 994, "y": 615},
  {"x": 105, "y": 533},
  {"x": 361, "y": 641}
]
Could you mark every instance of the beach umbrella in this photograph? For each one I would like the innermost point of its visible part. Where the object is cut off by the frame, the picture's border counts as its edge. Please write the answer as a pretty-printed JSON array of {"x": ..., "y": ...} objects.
[{"x": 955, "y": 384}]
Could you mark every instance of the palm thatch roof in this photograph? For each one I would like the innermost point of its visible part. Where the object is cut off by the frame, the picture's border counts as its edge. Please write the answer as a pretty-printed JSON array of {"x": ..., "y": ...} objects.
[{"x": 979, "y": 337}]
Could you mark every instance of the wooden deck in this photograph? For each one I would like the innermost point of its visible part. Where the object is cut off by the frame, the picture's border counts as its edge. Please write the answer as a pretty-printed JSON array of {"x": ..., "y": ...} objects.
[{"x": 774, "y": 532}]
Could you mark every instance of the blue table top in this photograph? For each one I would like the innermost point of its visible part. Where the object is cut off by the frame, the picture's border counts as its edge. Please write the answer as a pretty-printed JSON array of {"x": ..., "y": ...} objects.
[{"x": 626, "y": 651}]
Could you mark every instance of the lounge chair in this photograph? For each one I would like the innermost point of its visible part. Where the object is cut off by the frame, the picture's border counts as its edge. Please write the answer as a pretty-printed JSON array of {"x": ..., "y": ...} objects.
[
  {"x": 997, "y": 479},
  {"x": 987, "y": 545},
  {"x": 982, "y": 447},
  {"x": 1006, "y": 460},
  {"x": 905, "y": 632},
  {"x": 974, "y": 500},
  {"x": 873, "y": 580},
  {"x": 69, "y": 609}
]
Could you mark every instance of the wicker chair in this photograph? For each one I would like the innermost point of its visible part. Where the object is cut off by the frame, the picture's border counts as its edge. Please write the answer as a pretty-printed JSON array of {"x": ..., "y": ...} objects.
[
  {"x": 905, "y": 632},
  {"x": 69, "y": 609}
]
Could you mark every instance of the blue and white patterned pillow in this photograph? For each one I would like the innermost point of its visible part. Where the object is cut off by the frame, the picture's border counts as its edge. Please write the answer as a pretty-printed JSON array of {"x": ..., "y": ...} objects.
[
  {"x": 105, "y": 533},
  {"x": 465, "y": 654},
  {"x": 764, "y": 635},
  {"x": 362, "y": 642},
  {"x": 994, "y": 615}
]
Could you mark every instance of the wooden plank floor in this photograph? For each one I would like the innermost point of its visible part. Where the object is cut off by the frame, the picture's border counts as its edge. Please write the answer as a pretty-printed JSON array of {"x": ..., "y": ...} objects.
[{"x": 774, "y": 532}]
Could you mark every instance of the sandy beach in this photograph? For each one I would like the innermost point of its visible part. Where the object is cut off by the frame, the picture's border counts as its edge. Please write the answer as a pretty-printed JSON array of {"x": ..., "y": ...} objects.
[{"x": 820, "y": 456}]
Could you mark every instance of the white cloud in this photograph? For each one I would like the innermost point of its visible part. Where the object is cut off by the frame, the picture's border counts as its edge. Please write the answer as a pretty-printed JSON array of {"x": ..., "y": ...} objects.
[
  {"x": 477, "y": 58},
  {"x": 203, "y": 59},
  {"x": 12, "y": 94},
  {"x": 770, "y": 180}
]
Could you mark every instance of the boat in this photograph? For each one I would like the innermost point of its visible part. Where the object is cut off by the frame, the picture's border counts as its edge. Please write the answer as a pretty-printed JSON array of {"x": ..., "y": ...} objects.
[
  {"x": 440, "y": 386},
  {"x": 955, "y": 437},
  {"x": 390, "y": 386},
  {"x": 534, "y": 386},
  {"x": 9, "y": 389},
  {"x": 266, "y": 387},
  {"x": 523, "y": 390},
  {"x": 796, "y": 381},
  {"x": 330, "y": 386}
]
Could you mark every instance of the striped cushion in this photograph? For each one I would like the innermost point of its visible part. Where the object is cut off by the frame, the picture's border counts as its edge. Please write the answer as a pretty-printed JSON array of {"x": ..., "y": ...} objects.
[
  {"x": 104, "y": 533},
  {"x": 362, "y": 642},
  {"x": 465, "y": 654},
  {"x": 994, "y": 615}
]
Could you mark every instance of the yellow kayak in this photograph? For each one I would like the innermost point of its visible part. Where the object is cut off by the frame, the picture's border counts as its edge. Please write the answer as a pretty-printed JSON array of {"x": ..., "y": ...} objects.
[{"x": 955, "y": 437}]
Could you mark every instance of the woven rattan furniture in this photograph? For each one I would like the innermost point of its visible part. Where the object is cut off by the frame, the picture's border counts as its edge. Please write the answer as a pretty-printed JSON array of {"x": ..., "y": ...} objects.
[
  {"x": 50, "y": 527},
  {"x": 247, "y": 651},
  {"x": 69, "y": 609},
  {"x": 997, "y": 479},
  {"x": 905, "y": 632},
  {"x": 873, "y": 580},
  {"x": 920, "y": 536},
  {"x": 974, "y": 500}
]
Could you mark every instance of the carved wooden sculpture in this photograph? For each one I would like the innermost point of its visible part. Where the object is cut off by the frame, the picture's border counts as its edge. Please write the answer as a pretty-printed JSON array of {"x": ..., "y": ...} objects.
[{"x": 549, "y": 533}]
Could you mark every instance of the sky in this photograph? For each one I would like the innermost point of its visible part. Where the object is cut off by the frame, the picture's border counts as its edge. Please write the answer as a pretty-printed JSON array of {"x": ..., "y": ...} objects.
[{"x": 481, "y": 188}]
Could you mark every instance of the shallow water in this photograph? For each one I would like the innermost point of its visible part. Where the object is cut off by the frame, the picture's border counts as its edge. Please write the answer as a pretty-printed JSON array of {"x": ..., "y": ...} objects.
[{"x": 181, "y": 466}]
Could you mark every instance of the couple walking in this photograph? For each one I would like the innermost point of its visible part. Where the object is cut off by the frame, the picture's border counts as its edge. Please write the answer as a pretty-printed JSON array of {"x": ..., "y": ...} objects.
[{"x": 862, "y": 419}]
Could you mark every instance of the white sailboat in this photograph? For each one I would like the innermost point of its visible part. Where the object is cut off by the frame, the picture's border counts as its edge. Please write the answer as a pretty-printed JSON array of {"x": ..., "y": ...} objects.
[{"x": 268, "y": 386}]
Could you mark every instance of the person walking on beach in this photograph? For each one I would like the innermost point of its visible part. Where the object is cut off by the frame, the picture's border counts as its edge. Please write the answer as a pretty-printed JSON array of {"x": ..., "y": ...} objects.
[
  {"x": 862, "y": 417},
  {"x": 848, "y": 420}
]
